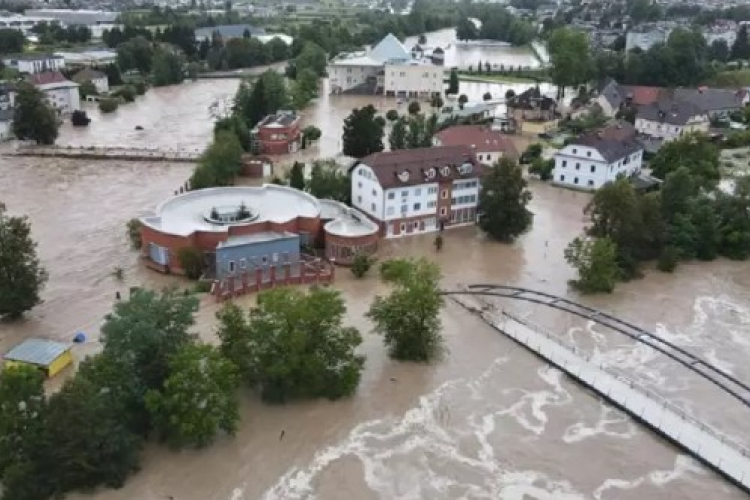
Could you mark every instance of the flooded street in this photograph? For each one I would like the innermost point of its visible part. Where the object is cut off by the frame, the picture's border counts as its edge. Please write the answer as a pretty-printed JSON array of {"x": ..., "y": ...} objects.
[{"x": 490, "y": 421}]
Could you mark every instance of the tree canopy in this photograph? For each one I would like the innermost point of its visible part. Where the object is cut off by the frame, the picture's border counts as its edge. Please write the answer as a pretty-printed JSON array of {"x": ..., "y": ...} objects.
[
  {"x": 596, "y": 262},
  {"x": 409, "y": 317},
  {"x": 167, "y": 67},
  {"x": 293, "y": 345},
  {"x": 363, "y": 132},
  {"x": 570, "y": 57},
  {"x": 22, "y": 276},
  {"x": 503, "y": 198},
  {"x": 694, "y": 152},
  {"x": 220, "y": 163},
  {"x": 33, "y": 118}
]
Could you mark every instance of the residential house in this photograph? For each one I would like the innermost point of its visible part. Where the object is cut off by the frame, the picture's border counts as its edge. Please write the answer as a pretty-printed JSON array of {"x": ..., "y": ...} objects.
[
  {"x": 35, "y": 63},
  {"x": 89, "y": 57},
  {"x": 488, "y": 145},
  {"x": 97, "y": 78},
  {"x": 646, "y": 37},
  {"x": 420, "y": 190},
  {"x": 613, "y": 96},
  {"x": 531, "y": 112},
  {"x": 228, "y": 31},
  {"x": 717, "y": 103},
  {"x": 479, "y": 111},
  {"x": 61, "y": 93},
  {"x": 596, "y": 158},
  {"x": 6, "y": 111},
  {"x": 669, "y": 119},
  {"x": 277, "y": 134},
  {"x": 389, "y": 69}
]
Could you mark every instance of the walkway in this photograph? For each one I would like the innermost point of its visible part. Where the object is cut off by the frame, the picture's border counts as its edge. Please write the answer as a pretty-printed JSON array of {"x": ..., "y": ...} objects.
[{"x": 705, "y": 443}]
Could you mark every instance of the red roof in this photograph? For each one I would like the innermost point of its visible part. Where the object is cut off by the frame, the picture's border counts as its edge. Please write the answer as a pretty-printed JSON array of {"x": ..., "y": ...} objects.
[
  {"x": 641, "y": 95},
  {"x": 46, "y": 78},
  {"x": 480, "y": 138}
]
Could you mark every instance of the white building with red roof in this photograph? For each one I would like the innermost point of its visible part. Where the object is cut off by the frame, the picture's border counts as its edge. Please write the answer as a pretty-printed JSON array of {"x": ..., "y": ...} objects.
[
  {"x": 487, "y": 144},
  {"x": 61, "y": 93}
]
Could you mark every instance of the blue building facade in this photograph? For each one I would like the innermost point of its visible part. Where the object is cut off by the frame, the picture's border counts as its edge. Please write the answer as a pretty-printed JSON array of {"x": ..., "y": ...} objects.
[{"x": 247, "y": 254}]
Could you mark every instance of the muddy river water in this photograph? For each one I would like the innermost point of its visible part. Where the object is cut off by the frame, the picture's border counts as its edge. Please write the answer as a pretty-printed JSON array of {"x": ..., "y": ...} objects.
[{"x": 490, "y": 421}]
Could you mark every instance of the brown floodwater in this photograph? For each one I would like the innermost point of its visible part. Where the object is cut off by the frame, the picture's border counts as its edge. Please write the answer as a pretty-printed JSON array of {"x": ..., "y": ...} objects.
[{"x": 490, "y": 421}]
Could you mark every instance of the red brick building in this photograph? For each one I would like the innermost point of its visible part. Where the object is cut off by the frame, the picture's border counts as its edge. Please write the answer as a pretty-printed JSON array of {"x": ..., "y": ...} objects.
[
  {"x": 418, "y": 190},
  {"x": 277, "y": 134}
]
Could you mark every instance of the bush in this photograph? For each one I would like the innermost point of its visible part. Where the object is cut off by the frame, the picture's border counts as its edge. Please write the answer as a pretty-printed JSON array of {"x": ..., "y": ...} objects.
[
  {"x": 542, "y": 168},
  {"x": 392, "y": 115},
  {"x": 487, "y": 96},
  {"x": 414, "y": 108},
  {"x": 127, "y": 93},
  {"x": 361, "y": 265},
  {"x": 202, "y": 287},
  {"x": 79, "y": 118},
  {"x": 108, "y": 105},
  {"x": 134, "y": 233},
  {"x": 191, "y": 261},
  {"x": 140, "y": 88},
  {"x": 668, "y": 259}
]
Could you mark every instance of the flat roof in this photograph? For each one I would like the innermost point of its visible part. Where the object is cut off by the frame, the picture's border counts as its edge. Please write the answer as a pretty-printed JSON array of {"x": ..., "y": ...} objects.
[
  {"x": 37, "y": 351},
  {"x": 246, "y": 239},
  {"x": 185, "y": 214},
  {"x": 345, "y": 221}
]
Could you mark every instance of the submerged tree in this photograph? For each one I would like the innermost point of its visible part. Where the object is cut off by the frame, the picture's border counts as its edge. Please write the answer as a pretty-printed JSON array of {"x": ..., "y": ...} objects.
[
  {"x": 502, "y": 202},
  {"x": 33, "y": 118},
  {"x": 363, "y": 132},
  {"x": 21, "y": 274},
  {"x": 596, "y": 263},
  {"x": 409, "y": 317}
]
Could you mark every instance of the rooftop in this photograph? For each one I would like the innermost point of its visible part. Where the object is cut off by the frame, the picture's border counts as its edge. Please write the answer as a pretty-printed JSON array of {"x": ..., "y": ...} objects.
[
  {"x": 669, "y": 111},
  {"x": 409, "y": 167},
  {"x": 229, "y": 31},
  {"x": 235, "y": 241},
  {"x": 280, "y": 119},
  {"x": 32, "y": 57},
  {"x": 37, "y": 352},
  {"x": 88, "y": 74},
  {"x": 613, "y": 143},
  {"x": 480, "y": 138},
  {"x": 345, "y": 221},
  {"x": 47, "y": 78}
]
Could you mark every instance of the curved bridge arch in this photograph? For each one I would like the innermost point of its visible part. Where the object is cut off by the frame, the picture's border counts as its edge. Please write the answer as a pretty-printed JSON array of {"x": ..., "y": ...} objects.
[{"x": 713, "y": 374}]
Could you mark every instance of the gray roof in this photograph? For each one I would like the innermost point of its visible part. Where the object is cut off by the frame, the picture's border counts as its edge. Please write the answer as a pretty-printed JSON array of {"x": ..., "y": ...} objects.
[
  {"x": 613, "y": 143},
  {"x": 709, "y": 100},
  {"x": 248, "y": 239},
  {"x": 669, "y": 111},
  {"x": 390, "y": 49},
  {"x": 37, "y": 351},
  {"x": 229, "y": 31},
  {"x": 612, "y": 93}
]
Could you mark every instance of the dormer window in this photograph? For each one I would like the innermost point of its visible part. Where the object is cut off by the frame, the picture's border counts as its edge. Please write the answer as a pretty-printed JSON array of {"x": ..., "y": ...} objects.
[
  {"x": 445, "y": 171},
  {"x": 403, "y": 176}
]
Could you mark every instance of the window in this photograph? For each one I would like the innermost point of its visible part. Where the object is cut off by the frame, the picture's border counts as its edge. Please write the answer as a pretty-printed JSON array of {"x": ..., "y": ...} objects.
[
  {"x": 431, "y": 190},
  {"x": 431, "y": 204},
  {"x": 415, "y": 225},
  {"x": 404, "y": 194},
  {"x": 274, "y": 257},
  {"x": 575, "y": 181},
  {"x": 591, "y": 183},
  {"x": 565, "y": 163},
  {"x": 374, "y": 193},
  {"x": 588, "y": 154},
  {"x": 359, "y": 199},
  {"x": 575, "y": 151},
  {"x": 593, "y": 169},
  {"x": 232, "y": 267},
  {"x": 243, "y": 263},
  {"x": 391, "y": 195},
  {"x": 359, "y": 185},
  {"x": 404, "y": 209},
  {"x": 417, "y": 206},
  {"x": 390, "y": 211},
  {"x": 479, "y": 157},
  {"x": 444, "y": 194},
  {"x": 403, "y": 227},
  {"x": 578, "y": 166},
  {"x": 443, "y": 211},
  {"x": 372, "y": 207},
  {"x": 562, "y": 178},
  {"x": 418, "y": 192}
]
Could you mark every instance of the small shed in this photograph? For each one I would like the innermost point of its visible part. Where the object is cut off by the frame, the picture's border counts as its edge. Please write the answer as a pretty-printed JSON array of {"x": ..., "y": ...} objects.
[{"x": 47, "y": 355}]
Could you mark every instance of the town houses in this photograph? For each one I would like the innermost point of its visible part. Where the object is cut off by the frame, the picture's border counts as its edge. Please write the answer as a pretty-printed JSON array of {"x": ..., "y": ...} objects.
[
  {"x": 61, "y": 93},
  {"x": 418, "y": 190},
  {"x": 277, "y": 134}
]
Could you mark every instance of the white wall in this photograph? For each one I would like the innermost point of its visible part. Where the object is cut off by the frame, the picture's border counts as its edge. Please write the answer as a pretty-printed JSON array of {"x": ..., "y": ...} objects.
[
  {"x": 419, "y": 78},
  {"x": 36, "y": 66},
  {"x": 101, "y": 84},
  {"x": 64, "y": 99},
  {"x": 411, "y": 201},
  {"x": 5, "y": 130},
  {"x": 349, "y": 76},
  {"x": 367, "y": 195},
  {"x": 670, "y": 132},
  {"x": 584, "y": 168}
]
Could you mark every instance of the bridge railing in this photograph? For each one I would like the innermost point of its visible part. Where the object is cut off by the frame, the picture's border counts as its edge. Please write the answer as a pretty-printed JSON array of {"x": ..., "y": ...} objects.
[{"x": 657, "y": 398}]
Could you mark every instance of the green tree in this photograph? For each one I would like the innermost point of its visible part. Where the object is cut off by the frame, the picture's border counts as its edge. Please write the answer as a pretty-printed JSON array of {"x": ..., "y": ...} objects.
[
  {"x": 21, "y": 274},
  {"x": 329, "y": 182},
  {"x": 596, "y": 262},
  {"x": 278, "y": 50},
  {"x": 397, "y": 135},
  {"x": 487, "y": 96},
  {"x": 22, "y": 413},
  {"x": 542, "y": 168},
  {"x": 145, "y": 331},
  {"x": 436, "y": 102},
  {"x": 361, "y": 265},
  {"x": 741, "y": 45},
  {"x": 237, "y": 126},
  {"x": 719, "y": 50},
  {"x": 391, "y": 115},
  {"x": 297, "y": 176},
  {"x": 266, "y": 95},
  {"x": 33, "y": 118},
  {"x": 86, "y": 89},
  {"x": 312, "y": 57},
  {"x": 89, "y": 443},
  {"x": 199, "y": 399},
  {"x": 453, "y": 83},
  {"x": 502, "y": 202},
  {"x": 363, "y": 133},
  {"x": 694, "y": 152},
  {"x": 409, "y": 317},
  {"x": 677, "y": 192},
  {"x": 108, "y": 105},
  {"x": 220, "y": 163},
  {"x": 135, "y": 54},
  {"x": 298, "y": 347},
  {"x": 414, "y": 108},
  {"x": 462, "y": 99},
  {"x": 11, "y": 41},
  {"x": 192, "y": 261},
  {"x": 167, "y": 67},
  {"x": 570, "y": 58},
  {"x": 311, "y": 133}
]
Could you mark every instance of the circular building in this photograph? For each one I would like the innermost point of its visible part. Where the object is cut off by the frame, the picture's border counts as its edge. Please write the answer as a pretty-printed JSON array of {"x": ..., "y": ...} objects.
[{"x": 253, "y": 234}]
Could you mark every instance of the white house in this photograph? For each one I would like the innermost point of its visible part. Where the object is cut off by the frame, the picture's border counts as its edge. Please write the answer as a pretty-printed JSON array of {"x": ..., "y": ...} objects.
[
  {"x": 594, "y": 159},
  {"x": 418, "y": 190},
  {"x": 390, "y": 69},
  {"x": 35, "y": 63},
  {"x": 487, "y": 144},
  {"x": 6, "y": 112},
  {"x": 61, "y": 93},
  {"x": 99, "y": 79},
  {"x": 667, "y": 119}
]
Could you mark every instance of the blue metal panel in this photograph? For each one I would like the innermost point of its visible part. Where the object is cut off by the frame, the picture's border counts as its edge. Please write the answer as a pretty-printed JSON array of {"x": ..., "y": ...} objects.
[{"x": 262, "y": 254}]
